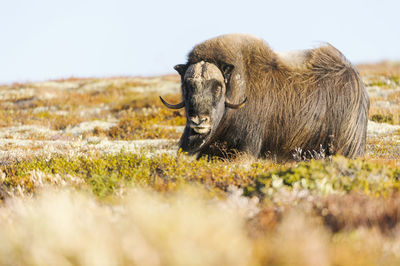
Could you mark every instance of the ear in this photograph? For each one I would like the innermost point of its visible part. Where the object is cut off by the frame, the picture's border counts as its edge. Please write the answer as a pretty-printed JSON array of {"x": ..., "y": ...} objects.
[
  {"x": 227, "y": 70},
  {"x": 181, "y": 68}
]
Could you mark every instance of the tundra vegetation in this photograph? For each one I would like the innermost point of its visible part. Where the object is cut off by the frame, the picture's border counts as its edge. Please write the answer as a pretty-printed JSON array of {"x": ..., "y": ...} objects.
[{"x": 90, "y": 176}]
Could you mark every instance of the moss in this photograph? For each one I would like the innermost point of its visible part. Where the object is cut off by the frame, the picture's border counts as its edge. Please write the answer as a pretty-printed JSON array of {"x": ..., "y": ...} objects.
[
  {"x": 106, "y": 174},
  {"x": 324, "y": 177}
]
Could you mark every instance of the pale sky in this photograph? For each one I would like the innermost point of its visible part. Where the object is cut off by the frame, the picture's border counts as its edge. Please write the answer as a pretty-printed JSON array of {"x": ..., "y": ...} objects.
[{"x": 52, "y": 39}]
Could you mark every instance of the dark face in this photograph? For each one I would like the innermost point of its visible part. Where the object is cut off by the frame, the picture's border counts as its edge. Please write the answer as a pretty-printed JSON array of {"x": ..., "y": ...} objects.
[
  {"x": 203, "y": 91},
  {"x": 203, "y": 94}
]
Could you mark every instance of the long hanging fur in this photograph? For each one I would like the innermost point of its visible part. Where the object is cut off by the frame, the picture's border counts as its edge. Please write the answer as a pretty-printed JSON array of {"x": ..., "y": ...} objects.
[{"x": 318, "y": 99}]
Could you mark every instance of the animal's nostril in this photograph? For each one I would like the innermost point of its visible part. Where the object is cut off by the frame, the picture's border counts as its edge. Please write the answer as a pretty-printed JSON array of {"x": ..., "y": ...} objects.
[
  {"x": 198, "y": 120},
  {"x": 204, "y": 119}
]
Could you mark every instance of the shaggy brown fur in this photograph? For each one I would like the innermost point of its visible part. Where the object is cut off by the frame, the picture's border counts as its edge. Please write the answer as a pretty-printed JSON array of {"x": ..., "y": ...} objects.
[{"x": 317, "y": 100}]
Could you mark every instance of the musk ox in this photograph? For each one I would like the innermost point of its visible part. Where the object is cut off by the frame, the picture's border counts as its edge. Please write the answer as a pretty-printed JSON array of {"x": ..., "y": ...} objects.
[{"x": 240, "y": 95}]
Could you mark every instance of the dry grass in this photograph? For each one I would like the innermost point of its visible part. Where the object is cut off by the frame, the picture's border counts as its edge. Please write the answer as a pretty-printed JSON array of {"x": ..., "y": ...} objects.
[
  {"x": 82, "y": 100},
  {"x": 385, "y": 68},
  {"x": 143, "y": 229},
  {"x": 190, "y": 228},
  {"x": 154, "y": 125},
  {"x": 75, "y": 190}
]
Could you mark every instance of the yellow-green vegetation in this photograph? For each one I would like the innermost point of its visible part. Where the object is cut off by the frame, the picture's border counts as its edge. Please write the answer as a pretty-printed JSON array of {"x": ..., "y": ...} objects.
[
  {"x": 107, "y": 173},
  {"x": 338, "y": 175},
  {"x": 86, "y": 180}
]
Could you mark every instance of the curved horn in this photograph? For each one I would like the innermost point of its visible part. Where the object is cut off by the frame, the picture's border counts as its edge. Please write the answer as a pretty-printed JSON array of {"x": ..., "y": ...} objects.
[
  {"x": 235, "y": 106},
  {"x": 173, "y": 106}
]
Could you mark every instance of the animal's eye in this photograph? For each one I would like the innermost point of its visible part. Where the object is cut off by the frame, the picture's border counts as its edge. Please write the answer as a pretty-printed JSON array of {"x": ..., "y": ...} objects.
[{"x": 217, "y": 89}]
